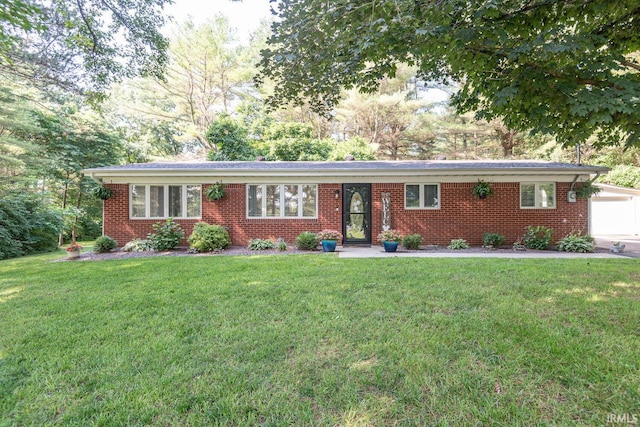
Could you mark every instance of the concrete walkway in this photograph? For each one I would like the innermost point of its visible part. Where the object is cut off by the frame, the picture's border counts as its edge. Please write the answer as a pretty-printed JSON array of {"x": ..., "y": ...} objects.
[{"x": 603, "y": 243}]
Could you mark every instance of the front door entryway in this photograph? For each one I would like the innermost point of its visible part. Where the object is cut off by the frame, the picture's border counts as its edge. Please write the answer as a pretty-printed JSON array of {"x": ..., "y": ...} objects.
[{"x": 356, "y": 213}]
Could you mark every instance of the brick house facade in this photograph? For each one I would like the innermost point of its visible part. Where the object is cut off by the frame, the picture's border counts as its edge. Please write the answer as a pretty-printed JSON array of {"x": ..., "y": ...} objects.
[{"x": 392, "y": 191}]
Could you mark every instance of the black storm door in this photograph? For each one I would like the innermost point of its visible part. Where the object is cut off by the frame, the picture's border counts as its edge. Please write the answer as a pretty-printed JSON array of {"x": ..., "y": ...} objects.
[{"x": 356, "y": 214}]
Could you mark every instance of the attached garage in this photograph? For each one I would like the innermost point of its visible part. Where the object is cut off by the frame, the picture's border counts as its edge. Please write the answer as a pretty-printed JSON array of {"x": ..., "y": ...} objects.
[{"x": 615, "y": 211}]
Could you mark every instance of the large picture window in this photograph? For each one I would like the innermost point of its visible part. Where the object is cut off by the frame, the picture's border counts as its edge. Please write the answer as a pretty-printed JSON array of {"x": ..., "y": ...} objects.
[
  {"x": 422, "y": 196},
  {"x": 164, "y": 201},
  {"x": 282, "y": 201},
  {"x": 538, "y": 195}
]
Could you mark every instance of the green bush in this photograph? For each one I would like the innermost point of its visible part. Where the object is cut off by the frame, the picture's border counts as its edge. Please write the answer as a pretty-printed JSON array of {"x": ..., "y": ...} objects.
[
  {"x": 138, "y": 245},
  {"x": 261, "y": 245},
  {"x": 494, "y": 240},
  {"x": 167, "y": 235},
  {"x": 307, "y": 241},
  {"x": 623, "y": 176},
  {"x": 538, "y": 237},
  {"x": 458, "y": 244},
  {"x": 27, "y": 226},
  {"x": 206, "y": 237},
  {"x": 282, "y": 245},
  {"x": 104, "y": 244},
  {"x": 412, "y": 241},
  {"x": 576, "y": 243}
]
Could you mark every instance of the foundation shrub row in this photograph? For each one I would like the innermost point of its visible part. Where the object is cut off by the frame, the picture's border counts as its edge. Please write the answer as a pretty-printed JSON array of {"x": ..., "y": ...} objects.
[{"x": 207, "y": 237}]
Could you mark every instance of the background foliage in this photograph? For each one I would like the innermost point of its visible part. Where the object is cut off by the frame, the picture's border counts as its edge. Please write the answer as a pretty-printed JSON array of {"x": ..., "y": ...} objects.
[{"x": 482, "y": 86}]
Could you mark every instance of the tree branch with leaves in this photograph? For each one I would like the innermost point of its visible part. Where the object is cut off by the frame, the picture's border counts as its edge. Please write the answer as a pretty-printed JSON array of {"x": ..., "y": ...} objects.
[{"x": 564, "y": 68}]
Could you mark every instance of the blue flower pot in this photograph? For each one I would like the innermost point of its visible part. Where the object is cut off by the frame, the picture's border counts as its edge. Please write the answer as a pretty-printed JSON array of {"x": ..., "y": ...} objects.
[
  {"x": 329, "y": 245},
  {"x": 390, "y": 246}
]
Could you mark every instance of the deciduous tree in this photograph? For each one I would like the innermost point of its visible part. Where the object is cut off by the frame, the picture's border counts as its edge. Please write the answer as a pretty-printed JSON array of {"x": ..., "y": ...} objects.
[
  {"x": 83, "y": 45},
  {"x": 567, "y": 68}
]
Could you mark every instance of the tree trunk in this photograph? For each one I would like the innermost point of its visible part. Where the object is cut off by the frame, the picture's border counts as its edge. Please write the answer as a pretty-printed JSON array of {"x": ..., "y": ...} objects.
[
  {"x": 75, "y": 219},
  {"x": 64, "y": 206},
  {"x": 507, "y": 140}
]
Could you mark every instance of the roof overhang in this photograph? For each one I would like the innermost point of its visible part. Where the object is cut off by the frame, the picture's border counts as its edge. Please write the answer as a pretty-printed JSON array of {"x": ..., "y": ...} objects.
[{"x": 330, "y": 172}]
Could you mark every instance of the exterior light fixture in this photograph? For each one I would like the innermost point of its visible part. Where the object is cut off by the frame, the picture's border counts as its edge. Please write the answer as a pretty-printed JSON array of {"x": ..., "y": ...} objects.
[{"x": 336, "y": 194}]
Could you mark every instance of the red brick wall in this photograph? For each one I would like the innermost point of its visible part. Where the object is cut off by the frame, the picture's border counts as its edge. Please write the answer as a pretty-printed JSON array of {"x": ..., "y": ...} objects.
[
  {"x": 460, "y": 215},
  {"x": 118, "y": 226},
  {"x": 230, "y": 211}
]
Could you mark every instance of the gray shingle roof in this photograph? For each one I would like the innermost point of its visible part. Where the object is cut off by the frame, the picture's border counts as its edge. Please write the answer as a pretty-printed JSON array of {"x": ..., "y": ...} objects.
[{"x": 364, "y": 166}]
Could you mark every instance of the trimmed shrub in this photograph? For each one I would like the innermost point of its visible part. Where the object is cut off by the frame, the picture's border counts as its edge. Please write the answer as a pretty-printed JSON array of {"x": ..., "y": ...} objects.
[
  {"x": 576, "y": 243},
  {"x": 412, "y": 241},
  {"x": 495, "y": 240},
  {"x": 261, "y": 245},
  {"x": 104, "y": 244},
  {"x": 538, "y": 237},
  {"x": 206, "y": 237},
  {"x": 138, "y": 245},
  {"x": 458, "y": 244},
  {"x": 167, "y": 235},
  {"x": 307, "y": 241}
]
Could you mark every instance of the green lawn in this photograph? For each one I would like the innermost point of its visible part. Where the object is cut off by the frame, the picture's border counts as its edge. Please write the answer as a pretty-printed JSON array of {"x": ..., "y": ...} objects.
[{"x": 318, "y": 340}]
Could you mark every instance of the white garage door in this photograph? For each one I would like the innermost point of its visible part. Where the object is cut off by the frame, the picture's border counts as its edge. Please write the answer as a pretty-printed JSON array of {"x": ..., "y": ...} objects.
[{"x": 613, "y": 216}]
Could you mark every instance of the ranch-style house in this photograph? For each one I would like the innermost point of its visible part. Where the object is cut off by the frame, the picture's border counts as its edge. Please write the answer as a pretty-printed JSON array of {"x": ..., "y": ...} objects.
[{"x": 274, "y": 200}]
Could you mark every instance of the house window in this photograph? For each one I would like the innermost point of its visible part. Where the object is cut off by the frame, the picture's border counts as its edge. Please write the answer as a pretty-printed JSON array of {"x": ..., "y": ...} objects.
[
  {"x": 282, "y": 201},
  {"x": 538, "y": 195},
  {"x": 422, "y": 196},
  {"x": 164, "y": 201}
]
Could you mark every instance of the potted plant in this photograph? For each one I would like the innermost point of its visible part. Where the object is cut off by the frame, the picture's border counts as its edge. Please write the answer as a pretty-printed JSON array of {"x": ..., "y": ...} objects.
[
  {"x": 102, "y": 192},
  {"x": 329, "y": 239},
  {"x": 482, "y": 190},
  {"x": 390, "y": 240},
  {"x": 586, "y": 190},
  {"x": 215, "y": 191},
  {"x": 73, "y": 250},
  {"x": 617, "y": 247}
]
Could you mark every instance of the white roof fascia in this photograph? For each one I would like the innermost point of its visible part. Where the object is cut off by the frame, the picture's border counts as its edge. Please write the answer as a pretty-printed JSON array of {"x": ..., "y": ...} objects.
[{"x": 153, "y": 178}]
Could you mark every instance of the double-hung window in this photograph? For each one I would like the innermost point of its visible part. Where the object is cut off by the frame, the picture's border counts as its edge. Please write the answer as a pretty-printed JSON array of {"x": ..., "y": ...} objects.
[
  {"x": 538, "y": 195},
  {"x": 282, "y": 201},
  {"x": 165, "y": 201},
  {"x": 422, "y": 196}
]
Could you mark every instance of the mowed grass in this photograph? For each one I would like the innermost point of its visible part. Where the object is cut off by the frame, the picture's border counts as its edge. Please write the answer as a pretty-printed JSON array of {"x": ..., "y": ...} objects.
[{"x": 318, "y": 340}]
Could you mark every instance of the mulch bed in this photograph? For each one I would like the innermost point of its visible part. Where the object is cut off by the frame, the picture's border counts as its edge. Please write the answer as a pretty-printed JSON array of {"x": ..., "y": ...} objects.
[
  {"x": 241, "y": 250},
  {"x": 181, "y": 251}
]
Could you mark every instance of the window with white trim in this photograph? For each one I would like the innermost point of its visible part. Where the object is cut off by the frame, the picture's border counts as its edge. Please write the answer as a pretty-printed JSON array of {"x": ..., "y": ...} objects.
[
  {"x": 165, "y": 201},
  {"x": 538, "y": 195},
  {"x": 282, "y": 200},
  {"x": 422, "y": 196}
]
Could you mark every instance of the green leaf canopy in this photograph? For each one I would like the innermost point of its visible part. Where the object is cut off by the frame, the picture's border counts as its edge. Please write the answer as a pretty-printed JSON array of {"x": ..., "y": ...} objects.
[{"x": 567, "y": 68}]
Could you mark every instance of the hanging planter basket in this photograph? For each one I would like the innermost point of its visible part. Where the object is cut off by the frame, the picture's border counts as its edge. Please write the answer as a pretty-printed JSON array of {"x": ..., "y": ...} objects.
[
  {"x": 482, "y": 190},
  {"x": 102, "y": 192},
  {"x": 215, "y": 191},
  {"x": 586, "y": 190}
]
